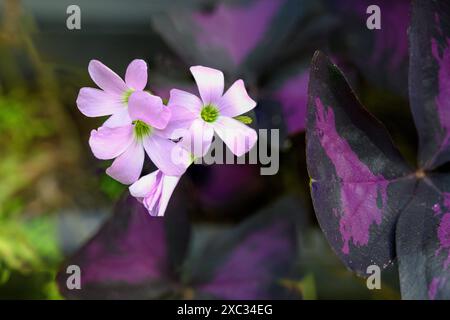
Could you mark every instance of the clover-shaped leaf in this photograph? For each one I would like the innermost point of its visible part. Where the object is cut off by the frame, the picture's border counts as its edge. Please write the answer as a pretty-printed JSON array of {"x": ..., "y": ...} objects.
[
  {"x": 138, "y": 256},
  {"x": 371, "y": 206},
  {"x": 132, "y": 255}
]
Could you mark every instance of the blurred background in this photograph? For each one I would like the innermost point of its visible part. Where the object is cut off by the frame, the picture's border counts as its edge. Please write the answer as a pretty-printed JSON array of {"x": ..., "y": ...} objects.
[{"x": 54, "y": 195}]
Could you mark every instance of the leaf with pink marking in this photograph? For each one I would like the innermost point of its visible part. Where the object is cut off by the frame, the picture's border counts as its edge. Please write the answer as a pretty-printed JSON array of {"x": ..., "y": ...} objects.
[
  {"x": 136, "y": 256},
  {"x": 132, "y": 256},
  {"x": 371, "y": 206},
  {"x": 228, "y": 35},
  {"x": 356, "y": 173},
  {"x": 423, "y": 241},
  {"x": 251, "y": 260},
  {"x": 423, "y": 229},
  {"x": 430, "y": 80},
  {"x": 251, "y": 39},
  {"x": 290, "y": 92}
]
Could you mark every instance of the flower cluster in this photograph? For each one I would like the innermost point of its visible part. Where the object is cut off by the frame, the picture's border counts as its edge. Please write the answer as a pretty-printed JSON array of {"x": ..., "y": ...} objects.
[{"x": 172, "y": 135}]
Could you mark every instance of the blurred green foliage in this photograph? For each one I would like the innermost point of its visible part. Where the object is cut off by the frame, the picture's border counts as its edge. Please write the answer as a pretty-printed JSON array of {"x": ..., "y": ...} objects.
[
  {"x": 28, "y": 249},
  {"x": 21, "y": 126},
  {"x": 21, "y": 123},
  {"x": 111, "y": 188},
  {"x": 28, "y": 240},
  {"x": 32, "y": 153}
]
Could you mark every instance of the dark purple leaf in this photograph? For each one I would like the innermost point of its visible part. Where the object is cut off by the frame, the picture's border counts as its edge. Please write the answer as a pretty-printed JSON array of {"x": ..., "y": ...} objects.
[
  {"x": 292, "y": 95},
  {"x": 430, "y": 80},
  {"x": 423, "y": 241},
  {"x": 236, "y": 29},
  {"x": 229, "y": 35},
  {"x": 244, "y": 38},
  {"x": 410, "y": 218},
  {"x": 290, "y": 91},
  {"x": 138, "y": 256},
  {"x": 359, "y": 181},
  {"x": 423, "y": 230},
  {"x": 382, "y": 54},
  {"x": 216, "y": 194},
  {"x": 249, "y": 262},
  {"x": 133, "y": 255}
]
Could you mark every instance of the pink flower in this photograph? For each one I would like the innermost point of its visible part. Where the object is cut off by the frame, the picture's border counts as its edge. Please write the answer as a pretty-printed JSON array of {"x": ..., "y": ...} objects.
[
  {"x": 214, "y": 112},
  {"x": 113, "y": 96},
  {"x": 154, "y": 191},
  {"x": 126, "y": 144}
]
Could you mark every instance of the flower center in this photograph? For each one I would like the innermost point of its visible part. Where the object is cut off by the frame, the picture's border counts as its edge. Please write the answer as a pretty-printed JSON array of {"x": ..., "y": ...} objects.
[
  {"x": 141, "y": 129},
  {"x": 209, "y": 113},
  {"x": 126, "y": 96}
]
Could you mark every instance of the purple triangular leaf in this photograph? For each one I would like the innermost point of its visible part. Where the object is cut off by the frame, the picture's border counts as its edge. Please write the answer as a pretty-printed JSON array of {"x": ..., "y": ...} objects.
[
  {"x": 133, "y": 255},
  {"x": 359, "y": 181},
  {"x": 429, "y": 82},
  {"x": 250, "y": 261}
]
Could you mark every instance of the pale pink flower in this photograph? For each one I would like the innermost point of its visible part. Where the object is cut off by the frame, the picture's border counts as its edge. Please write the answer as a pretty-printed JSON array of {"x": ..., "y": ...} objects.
[
  {"x": 126, "y": 144},
  {"x": 154, "y": 191},
  {"x": 113, "y": 96},
  {"x": 214, "y": 112}
]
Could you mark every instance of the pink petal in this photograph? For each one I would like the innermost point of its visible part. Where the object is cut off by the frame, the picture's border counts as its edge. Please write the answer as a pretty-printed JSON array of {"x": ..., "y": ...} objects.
[
  {"x": 185, "y": 109},
  {"x": 179, "y": 123},
  {"x": 136, "y": 75},
  {"x": 148, "y": 108},
  {"x": 106, "y": 79},
  {"x": 169, "y": 184},
  {"x": 119, "y": 119},
  {"x": 108, "y": 143},
  {"x": 152, "y": 200},
  {"x": 181, "y": 157},
  {"x": 96, "y": 103},
  {"x": 127, "y": 167},
  {"x": 236, "y": 101},
  {"x": 155, "y": 190},
  {"x": 210, "y": 83},
  {"x": 166, "y": 155},
  {"x": 179, "y": 98},
  {"x": 236, "y": 135},
  {"x": 199, "y": 139},
  {"x": 143, "y": 187}
]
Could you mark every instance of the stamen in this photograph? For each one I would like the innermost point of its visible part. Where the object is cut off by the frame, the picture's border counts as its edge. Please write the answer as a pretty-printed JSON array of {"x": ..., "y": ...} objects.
[
  {"x": 209, "y": 113},
  {"x": 141, "y": 129},
  {"x": 126, "y": 96}
]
